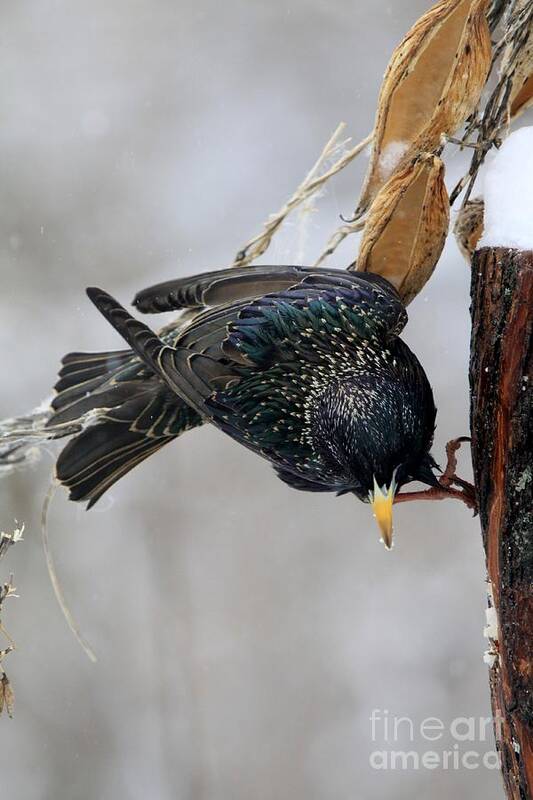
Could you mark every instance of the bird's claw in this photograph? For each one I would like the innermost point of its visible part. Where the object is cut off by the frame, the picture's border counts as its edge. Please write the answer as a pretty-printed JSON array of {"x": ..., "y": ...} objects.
[{"x": 448, "y": 481}]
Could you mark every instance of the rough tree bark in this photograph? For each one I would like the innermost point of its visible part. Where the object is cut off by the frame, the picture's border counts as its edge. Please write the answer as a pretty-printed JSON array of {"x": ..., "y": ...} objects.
[{"x": 501, "y": 404}]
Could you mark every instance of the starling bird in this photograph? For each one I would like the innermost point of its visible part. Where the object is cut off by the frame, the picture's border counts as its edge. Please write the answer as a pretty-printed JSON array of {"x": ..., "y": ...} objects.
[{"x": 303, "y": 366}]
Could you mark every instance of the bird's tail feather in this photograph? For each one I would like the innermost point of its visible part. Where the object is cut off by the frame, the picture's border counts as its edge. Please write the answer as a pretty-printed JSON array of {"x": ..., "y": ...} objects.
[
  {"x": 100, "y": 455},
  {"x": 82, "y": 374},
  {"x": 87, "y": 385},
  {"x": 117, "y": 411}
]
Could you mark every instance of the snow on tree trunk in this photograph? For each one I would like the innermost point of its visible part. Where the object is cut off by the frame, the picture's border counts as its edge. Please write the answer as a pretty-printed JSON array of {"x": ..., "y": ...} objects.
[{"x": 501, "y": 422}]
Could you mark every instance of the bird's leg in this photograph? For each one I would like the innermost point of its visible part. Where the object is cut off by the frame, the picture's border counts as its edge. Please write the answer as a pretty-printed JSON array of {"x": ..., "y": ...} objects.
[
  {"x": 438, "y": 493},
  {"x": 466, "y": 491},
  {"x": 449, "y": 477}
]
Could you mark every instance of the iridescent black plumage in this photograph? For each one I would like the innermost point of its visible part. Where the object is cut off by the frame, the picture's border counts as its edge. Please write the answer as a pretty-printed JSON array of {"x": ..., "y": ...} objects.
[{"x": 302, "y": 366}]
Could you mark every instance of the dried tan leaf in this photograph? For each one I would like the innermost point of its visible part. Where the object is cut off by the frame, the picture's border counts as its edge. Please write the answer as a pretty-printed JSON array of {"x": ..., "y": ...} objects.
[
  {"x": 469, "y": 227},
  {"x": 406, "y": 226},
  {"x": 432, "y": 84}
]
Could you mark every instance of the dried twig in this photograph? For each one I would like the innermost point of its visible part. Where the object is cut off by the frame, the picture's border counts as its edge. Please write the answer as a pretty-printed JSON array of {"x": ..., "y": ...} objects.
[
  {"x": 54, "y": 580},
  {"x": 7, "y": 697},
  {"x": 313, "y": 181},
  {"x": 338, "y": 237}
]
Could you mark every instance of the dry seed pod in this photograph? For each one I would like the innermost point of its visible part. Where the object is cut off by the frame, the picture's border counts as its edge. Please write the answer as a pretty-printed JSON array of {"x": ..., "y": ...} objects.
[
  {"x": 524, "y": 97},
  {"x": 406, "y": 226},
  {"x": 469, "y": 227},
  {"x": 432, "y": 84}
]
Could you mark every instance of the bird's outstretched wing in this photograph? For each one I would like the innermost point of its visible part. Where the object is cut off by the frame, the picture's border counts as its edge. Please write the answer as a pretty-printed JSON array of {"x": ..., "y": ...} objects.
[
  {"x": 332, "y": 310},
  {"x": 190, "y": 371},
  {"x": 227, "y": 286},
  {"x": 216, "y": 287},
  {"x": 331, "y": 307},
  {"x": 220, "y": 286}
]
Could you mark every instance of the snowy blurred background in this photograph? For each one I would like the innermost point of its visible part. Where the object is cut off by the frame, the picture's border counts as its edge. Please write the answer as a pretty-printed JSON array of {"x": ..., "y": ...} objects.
[{"x": 244, "y": 631}]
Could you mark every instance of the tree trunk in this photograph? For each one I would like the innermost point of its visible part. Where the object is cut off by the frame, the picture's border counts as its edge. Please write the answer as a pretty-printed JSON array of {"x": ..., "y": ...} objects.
[{"x": 501, "y": 404}]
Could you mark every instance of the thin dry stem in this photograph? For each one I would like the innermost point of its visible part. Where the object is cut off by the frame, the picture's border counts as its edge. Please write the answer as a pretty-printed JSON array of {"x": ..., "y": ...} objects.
[
  {"x": 313, "y": 181},
  {"x": 338, "y": 237},
  {"x": 7, "y": 589},
  {"x": 58, "y": 591}
]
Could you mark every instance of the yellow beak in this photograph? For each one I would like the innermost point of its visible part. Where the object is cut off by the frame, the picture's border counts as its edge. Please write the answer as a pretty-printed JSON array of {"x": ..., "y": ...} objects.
[{"x": 381, "y": 500}]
